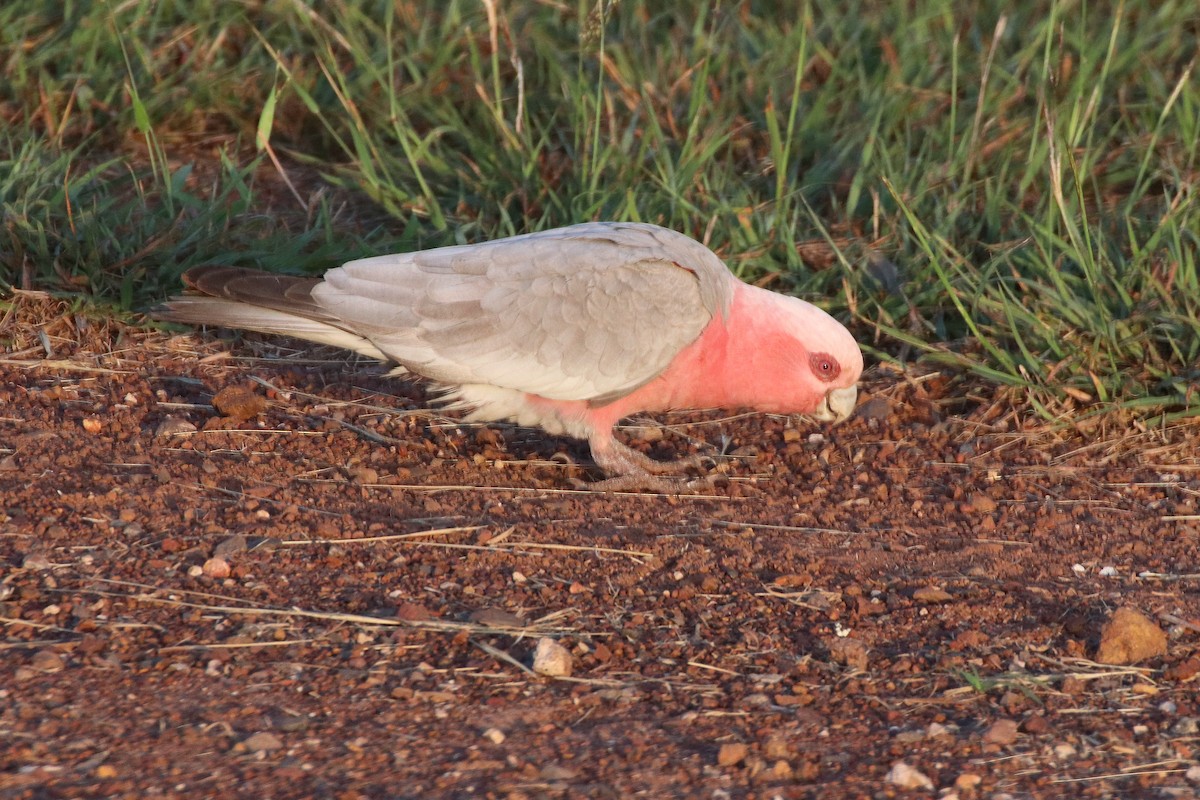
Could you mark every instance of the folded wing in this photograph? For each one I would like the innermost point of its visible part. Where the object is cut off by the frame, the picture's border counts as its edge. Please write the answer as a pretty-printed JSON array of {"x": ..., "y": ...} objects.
[{"x": 590, "y": 312}]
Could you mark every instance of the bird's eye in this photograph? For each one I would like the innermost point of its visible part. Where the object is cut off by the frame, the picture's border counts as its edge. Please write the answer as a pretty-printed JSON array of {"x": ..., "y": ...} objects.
[{"x": 824, "y": 366}]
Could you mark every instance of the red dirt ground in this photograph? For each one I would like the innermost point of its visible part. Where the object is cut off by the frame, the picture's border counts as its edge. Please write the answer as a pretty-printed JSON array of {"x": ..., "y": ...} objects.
[{"x": 340, "y": 595}]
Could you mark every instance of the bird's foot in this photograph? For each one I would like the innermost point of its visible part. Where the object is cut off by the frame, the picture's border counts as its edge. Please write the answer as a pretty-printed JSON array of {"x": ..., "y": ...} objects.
[
  {"x": 631, "y": 471},
  {"x": 617, "y": 459}
]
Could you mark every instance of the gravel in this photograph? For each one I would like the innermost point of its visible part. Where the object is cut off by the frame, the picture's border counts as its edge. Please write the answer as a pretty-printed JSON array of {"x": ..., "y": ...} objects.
[{"x": 336, "y": 593}]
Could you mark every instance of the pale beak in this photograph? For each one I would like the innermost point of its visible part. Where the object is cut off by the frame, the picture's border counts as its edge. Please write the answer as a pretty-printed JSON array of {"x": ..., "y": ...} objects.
[{"x": 836, "y": 405}]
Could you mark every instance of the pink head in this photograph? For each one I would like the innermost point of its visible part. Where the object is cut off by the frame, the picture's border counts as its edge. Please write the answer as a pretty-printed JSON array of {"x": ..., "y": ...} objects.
[{"x": 819, "y": 357}]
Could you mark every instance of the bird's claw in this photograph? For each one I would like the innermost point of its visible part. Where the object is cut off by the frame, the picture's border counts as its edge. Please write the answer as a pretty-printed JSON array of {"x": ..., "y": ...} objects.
[
  {"x": 564, "y": 459},
  {"x": 697, "y": 461}
]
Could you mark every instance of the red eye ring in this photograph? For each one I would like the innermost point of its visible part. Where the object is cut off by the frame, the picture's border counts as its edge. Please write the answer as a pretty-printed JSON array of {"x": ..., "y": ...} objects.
[{"x": 824, "y": 366}]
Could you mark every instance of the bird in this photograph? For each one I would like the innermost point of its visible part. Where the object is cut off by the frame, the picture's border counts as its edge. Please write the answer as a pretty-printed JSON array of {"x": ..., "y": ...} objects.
[{"x": 569, "y": 330}]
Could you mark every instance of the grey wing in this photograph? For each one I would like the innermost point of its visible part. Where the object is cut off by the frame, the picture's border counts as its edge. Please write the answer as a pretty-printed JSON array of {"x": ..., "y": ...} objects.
[{"x": 590, "y": 312}]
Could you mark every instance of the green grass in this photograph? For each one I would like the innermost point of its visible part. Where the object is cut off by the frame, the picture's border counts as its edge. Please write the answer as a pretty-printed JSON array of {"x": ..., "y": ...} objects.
[{"x": 1010, "y": 192}]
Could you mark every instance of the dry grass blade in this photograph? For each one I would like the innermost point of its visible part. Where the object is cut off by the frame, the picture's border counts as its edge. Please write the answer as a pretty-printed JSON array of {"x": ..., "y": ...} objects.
[
  {"x": 499, "y": 545},
  {"x": 233, "y": 645},
  {"x": 61, "y": 365},
  {"x": 358, "y": 619},
  {"x": 457, "y": 487},
  {"x": 41, "y": 626},
  {"x": 1112, "y": 775},
  {"x": 335, "y": 403},
  {"x": 1085, "y": 670},
  {"x": 500, "y": 655},
  {"x": 575, "y": 548},
  {"x": 392, "y": 537},
  {"x": 714, "y": 668},
  {"x": 539, "y": 626},
  {"x": 762, "y": 526}
]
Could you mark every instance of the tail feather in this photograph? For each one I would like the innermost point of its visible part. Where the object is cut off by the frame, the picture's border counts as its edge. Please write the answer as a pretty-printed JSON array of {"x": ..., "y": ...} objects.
[{"x": 265, "y": 302}]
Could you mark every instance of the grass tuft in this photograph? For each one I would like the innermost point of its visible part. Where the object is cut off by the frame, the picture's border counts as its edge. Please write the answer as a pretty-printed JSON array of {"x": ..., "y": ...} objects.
[{"x": 1012, "y": 193}]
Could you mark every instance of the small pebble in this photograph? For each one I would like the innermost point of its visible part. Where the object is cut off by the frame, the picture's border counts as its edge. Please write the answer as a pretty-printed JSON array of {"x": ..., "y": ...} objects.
[
  {"x": 982, "y": 504},
  {"x": 1064, "y": 751},
  {"x": 932, "y": 594},
  {"x": 496, "y": 618},
  {"x": 230, "y": 547},
  {"x": 731, "y": 753},
  {"x": 46, "y": 661},
  {"x": 36, "y": 561},
  {"x": 263, "y": 741},
  {"x": 216, "y": 567},
  {"x": 776, "y": 748},
  {"x": 967, "y": 782},
  {"x": 364, "y": 475},
  {"x": 876, "y": 408},
  {"x": 92, "y": 425},
  {"x": 1035, "y": 724},
  {"x": 551, "y": 659},
  {"x": 414, "y": 612},
  {"x": 557, "y": 772},
  {"x": 494, "y": 735},
  {"x": 173, "y": 426},
  {"x": 1001, "y": 732},
  {"x": 1188, "y": 726},
  {"x": 851, "y": 652},
  {"x": 906, "y": 777},
  {"x": 287, "y": 721}
]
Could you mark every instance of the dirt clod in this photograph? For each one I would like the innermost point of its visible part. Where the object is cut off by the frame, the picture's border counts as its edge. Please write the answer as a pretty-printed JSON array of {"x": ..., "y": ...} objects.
[
  {"x": 932, "y": 594},
  {"x": 239, "y": 403},
  {"x": 851, "y": 652},
  {"x": 1129, "y": 637}
]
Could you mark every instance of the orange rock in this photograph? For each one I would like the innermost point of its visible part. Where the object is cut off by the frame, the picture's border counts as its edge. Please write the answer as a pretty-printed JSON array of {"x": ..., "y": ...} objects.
[
  {"x": 239, "y": 402},
  {"x": 1130, "y": 636}
]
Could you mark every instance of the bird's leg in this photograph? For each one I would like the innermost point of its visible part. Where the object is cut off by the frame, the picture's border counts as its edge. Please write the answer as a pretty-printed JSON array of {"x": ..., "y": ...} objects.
[{"x": 629, "y": 471}]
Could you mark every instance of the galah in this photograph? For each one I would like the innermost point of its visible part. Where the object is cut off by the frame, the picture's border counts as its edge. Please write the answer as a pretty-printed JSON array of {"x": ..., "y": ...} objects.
[{"x": 569, "y": 330}]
